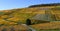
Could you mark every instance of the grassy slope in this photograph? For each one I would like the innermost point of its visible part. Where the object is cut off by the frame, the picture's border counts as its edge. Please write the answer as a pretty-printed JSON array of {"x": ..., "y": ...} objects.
[
  {"x": 15, "y": 27},
  {"x": 20, "y": 15},
  {"x": 51, "y": 25}
]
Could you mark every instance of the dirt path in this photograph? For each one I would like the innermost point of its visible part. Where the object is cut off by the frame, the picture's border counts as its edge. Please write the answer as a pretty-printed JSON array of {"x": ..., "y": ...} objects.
[{"x": 28, "y": 27}]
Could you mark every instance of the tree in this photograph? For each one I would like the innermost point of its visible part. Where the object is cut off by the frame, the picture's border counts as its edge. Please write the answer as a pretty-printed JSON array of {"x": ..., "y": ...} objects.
[{"x": 28, "y": 22}]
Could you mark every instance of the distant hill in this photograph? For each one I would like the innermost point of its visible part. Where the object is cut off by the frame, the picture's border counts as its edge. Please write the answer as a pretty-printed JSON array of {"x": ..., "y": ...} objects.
[{"x": 43, "y": 5}]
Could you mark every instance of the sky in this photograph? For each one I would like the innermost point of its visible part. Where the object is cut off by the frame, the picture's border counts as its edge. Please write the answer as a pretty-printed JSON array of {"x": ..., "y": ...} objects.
[{"x": 10, "y": 4}]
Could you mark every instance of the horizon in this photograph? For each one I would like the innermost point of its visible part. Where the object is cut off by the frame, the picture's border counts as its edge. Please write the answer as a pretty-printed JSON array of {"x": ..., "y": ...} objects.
[{"x": 12, "y": 4}]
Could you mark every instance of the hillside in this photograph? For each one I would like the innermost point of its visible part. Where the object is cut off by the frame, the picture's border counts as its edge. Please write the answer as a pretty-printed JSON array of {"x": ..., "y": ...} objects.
[
  {"x": 51, "y": 25},
  {"x": 44, "y": 5},
  {"x": 38, "y": 16},
  {"x": 21, "y": 15}
]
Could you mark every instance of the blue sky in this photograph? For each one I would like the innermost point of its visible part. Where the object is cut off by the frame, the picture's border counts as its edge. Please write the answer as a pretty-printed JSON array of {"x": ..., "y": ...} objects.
[{"x": 9, "y": 4}]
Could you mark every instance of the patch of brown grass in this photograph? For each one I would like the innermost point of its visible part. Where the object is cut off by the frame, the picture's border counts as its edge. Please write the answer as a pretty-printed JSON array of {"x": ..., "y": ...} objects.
[{"x": 51, "y": 25}]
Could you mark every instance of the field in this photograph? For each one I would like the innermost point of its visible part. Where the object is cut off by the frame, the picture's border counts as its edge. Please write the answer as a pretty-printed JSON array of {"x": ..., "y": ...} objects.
[{"x": 19, "y": 16}]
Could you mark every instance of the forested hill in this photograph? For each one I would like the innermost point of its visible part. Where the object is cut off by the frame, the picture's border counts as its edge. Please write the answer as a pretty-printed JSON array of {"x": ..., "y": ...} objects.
[{"x": 43, "y": 5}]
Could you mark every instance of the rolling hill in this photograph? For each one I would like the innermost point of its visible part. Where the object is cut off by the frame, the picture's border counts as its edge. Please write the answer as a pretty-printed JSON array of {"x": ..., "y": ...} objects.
[{"x": 36, "y": 13}]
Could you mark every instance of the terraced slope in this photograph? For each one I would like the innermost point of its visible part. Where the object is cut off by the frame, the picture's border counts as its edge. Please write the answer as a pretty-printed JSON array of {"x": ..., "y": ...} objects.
[{"x": 20, "y": 15}]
